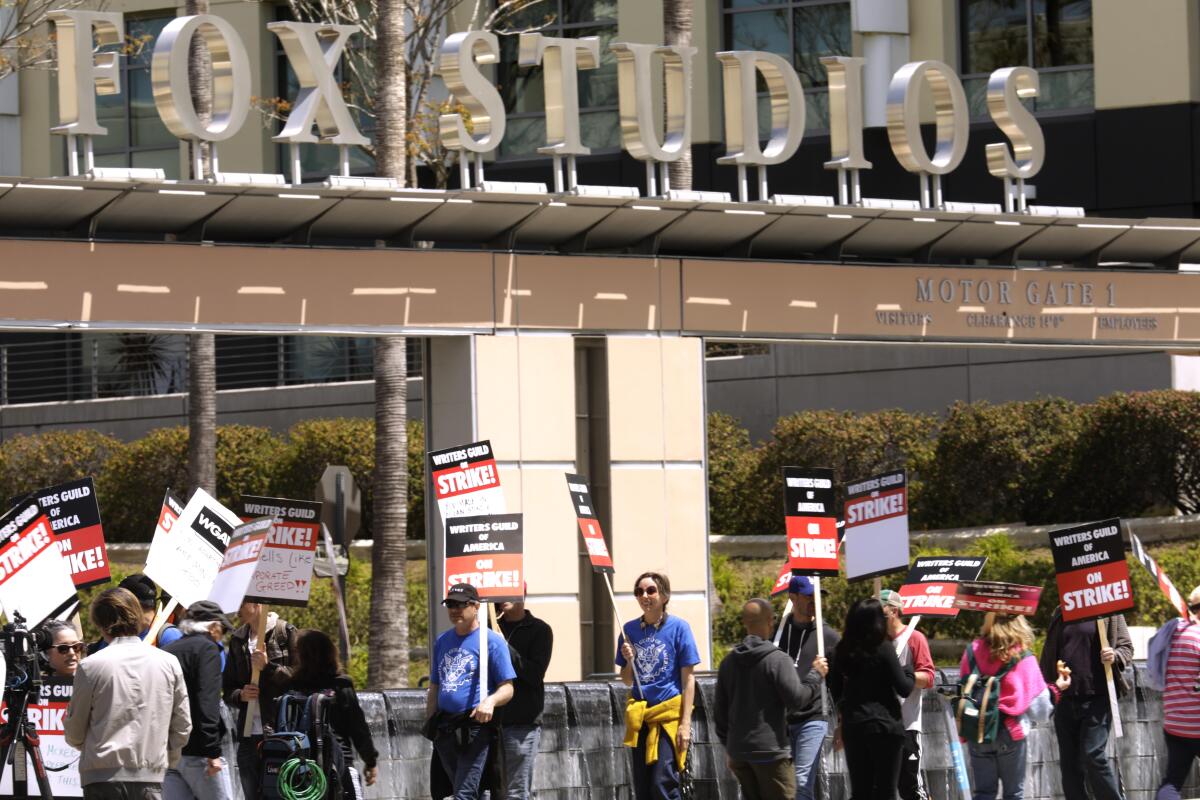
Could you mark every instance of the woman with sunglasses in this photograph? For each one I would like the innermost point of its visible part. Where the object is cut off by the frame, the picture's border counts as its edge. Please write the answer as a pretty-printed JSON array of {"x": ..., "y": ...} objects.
[
  {"x": 65, "y": 649},
  {"x": 657, "y": 654}
]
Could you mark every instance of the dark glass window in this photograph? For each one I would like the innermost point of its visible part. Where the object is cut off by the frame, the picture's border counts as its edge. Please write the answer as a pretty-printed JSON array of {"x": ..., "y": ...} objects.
[
  {"x": 1053, "y": 36},
  {"x": 136, "y": 136},
  {"x": 801, "y": 30},
  {"x": 523, "y": 90}
]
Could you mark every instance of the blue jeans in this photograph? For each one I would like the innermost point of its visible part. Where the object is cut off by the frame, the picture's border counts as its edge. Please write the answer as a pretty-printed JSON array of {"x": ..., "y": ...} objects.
[
  {"x": 807, "y": 738},
  {"x": 1081, "y": 724},
  {"x": 997, "y": 763},
  {"x": 465, "y": 766},
  {"x": 520, "y": 748},
  {"x": 189, "y": 779}
]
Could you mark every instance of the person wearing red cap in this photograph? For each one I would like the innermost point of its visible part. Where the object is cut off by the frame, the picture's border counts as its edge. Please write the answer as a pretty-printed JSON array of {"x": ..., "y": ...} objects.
[{"x": 530, "y": 645}]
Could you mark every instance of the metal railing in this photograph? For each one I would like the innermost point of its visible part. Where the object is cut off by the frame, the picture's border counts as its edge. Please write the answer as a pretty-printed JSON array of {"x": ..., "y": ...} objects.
[{"x": 39, "y": 368}]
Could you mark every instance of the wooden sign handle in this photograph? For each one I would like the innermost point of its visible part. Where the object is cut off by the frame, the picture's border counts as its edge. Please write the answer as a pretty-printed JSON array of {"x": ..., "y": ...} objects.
[
  {"x": 1102, "y": 627},
  {"x": 159, "y": 620},
  {"x": 252, "y": 706}
]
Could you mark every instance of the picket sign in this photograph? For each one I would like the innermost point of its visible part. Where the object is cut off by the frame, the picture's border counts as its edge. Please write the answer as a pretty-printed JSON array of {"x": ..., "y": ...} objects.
[
  {"x": 1160, "y": 576},
  {"x": 260, "y": 647},
  {"x": 787, "y": 612}
]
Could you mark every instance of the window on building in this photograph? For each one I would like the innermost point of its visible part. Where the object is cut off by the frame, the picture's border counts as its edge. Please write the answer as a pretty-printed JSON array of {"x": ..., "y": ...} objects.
[
  {"x": 136, "y": 136},
  {"x": 801, "y": 30},
  {"x": 522, "y": 87},
  {"x": 1053, "y": 36}
]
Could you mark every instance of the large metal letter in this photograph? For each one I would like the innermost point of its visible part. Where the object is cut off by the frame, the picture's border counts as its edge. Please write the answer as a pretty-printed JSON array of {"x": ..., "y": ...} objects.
[
  {"x": 77, "y": 33},
  {"x": 561, "y": 58},
  {"x": 739, "y": 69},
  {"x": 845, "y": 113},
  {"x": 458, "y": 63},
  {"x": 636, "y": 104},
  {"x": 1006, "y": 87},
  {"x": 904, "y": 124},
  {"x": 230, "y": 78},
  {"x": 313, "y": 49}
]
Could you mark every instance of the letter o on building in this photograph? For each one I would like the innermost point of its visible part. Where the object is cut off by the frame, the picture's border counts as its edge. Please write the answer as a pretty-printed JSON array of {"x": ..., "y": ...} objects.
[
  {"x": 904, "y": 117},
  {"x": 230, "y": 78}
]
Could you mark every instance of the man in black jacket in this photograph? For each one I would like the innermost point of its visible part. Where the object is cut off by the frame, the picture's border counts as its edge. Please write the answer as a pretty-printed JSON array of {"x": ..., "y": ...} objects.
[
  {"x": 201, "y": 773},
  {"x": 757, "y": 685},
  {"x": 244, "y": 652},
  {"x": 530, "y": 643},
  {"x": 807, "y": 725}
]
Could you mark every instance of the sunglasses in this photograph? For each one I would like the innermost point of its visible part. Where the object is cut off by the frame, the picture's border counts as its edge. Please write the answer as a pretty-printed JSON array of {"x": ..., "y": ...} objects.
[
  {"x": 649, "y": 590},
  {"x": 1195, "y": 609},
  {"x": 63, "y": 649},
  {"x": 456, "y": 603}
]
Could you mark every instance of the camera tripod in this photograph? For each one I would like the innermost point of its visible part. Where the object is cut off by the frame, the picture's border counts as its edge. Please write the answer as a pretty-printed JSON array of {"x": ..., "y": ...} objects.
[{"x": 18, "y": 736}]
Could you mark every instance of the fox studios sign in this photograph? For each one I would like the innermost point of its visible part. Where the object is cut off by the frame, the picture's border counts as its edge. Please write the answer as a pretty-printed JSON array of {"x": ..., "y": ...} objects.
[{"x": 320, "y": 113}]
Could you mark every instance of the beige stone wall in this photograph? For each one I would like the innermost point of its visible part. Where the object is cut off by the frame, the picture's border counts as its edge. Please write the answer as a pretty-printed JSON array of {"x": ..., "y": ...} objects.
[
  {"x": 659, "y": 500},
  {"x": 1146, "y": 53}
]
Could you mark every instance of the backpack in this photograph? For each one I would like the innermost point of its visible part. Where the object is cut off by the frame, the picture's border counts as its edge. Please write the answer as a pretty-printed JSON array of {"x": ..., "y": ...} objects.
[
  {"x": 289, "y": 741},
  {"x": 977, "y": 710}
]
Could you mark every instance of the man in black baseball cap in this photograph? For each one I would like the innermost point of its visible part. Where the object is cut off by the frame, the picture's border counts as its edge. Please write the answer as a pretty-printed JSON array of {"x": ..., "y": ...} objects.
[
  {"x": 459, "y": 717},
  {"x": 201, "y": 772}
]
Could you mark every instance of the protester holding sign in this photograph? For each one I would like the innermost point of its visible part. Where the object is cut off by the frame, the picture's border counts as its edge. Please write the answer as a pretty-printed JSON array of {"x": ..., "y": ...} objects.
[
  {"x": 657, "y": 654},
  {"x": 1083, "y": 717},
  {"x": 1181, "y": 701},
  {"x": 201, "y": 771},
  {"x": 1004, "y": 652},
  {"x": 867, "y": 682},
  {"x": 129, "y": 709},
  {"x": 807, "y": 724},
  {"x": 912, "y": 648},
  {"x": 459, "y": 716},
  {"x": 530, "y": 645},
  {"x": 243, "y": 655}
]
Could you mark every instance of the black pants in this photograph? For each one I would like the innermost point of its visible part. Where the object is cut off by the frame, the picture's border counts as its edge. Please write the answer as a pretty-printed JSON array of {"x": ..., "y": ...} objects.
[
  {"x": 873, "y": 761},
  {"x": 660, "y": 780},
  {"x": 1181, "y": 752},
  {"x": 1081, "y": 724},
  {"x": 910, "y": 767},
  {"x": 249, "y": 767}
]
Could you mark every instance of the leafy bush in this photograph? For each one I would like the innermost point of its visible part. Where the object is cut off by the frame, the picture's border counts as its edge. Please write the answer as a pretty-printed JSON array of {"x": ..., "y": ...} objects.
[
  {"x": 1000, "y": 463},
  {"x": 314, "y": 444},
  {"x": 33, "y": 462},
  {"x": 246, "y": 461},
  {"x": 731, "y": 463},
  {"x": 132, "y": 483},
  {"x": 853, "y": 445}
]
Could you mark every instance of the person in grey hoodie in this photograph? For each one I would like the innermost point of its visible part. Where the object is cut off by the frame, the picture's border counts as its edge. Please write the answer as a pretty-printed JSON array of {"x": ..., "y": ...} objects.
[
  {"x": 129, "y": 712},
  {"x": 757, "y": 685}
]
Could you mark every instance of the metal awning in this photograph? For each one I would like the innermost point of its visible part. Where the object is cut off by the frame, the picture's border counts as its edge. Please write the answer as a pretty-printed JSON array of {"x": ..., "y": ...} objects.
[{"x": 591, "y": 223}]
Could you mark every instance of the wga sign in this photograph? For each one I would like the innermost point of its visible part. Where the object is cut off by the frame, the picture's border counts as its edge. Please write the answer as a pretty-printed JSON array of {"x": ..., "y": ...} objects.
[
  {"x": 213, "y": 529},
  {"x": 320, "y": 114}
]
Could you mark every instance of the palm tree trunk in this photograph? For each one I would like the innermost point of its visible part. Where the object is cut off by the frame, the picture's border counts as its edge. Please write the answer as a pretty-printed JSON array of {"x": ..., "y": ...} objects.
[
  {"x": 677, "y": 29},
  {"x": 202, "y": 412},
  {"x": 387, "y": 642}
]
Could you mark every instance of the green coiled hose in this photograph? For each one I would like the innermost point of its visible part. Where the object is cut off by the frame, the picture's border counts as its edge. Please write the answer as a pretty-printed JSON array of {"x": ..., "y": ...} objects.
[{"x": 302, "y": 779}]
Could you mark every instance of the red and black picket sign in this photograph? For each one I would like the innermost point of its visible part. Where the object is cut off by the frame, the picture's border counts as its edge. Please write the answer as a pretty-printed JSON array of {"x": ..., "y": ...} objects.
[
  {"x": 810, "y": 513},
  {"x": 589, "y": 524},
  {"x": 74, "y": 516},
  {"x": 1092, "y": 576},
  {"x": 998, "y": 597},
  {"x": 486, "y": 552},
  {"x": 933, "y": 581},
  {"x": 783, "y": 580},
  {"x": 463, "y": 478}
]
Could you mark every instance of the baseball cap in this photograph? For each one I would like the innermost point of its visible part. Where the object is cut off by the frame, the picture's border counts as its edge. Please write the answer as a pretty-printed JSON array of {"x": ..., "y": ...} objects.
[
  {"x": 891, "y": 598},
  {"x": 142, "y": 588},
  {"x": 208, "y": 611},
  {"x": 800, "y": 584},
  {"x": 463, "y": 593}
]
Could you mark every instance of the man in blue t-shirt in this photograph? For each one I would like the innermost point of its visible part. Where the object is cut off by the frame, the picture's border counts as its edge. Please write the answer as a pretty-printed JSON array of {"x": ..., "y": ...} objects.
[{"x": 461, "y": 719}]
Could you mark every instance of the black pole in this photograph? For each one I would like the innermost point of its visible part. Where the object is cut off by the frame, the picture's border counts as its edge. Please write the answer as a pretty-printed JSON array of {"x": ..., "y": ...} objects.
[{"x": 339, "y": 521}]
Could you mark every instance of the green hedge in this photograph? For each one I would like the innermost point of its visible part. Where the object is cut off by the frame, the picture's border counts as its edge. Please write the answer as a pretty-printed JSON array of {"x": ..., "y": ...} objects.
[
  {"x": 132, "y": 477},
  {"x": 1039, "y": 462}
]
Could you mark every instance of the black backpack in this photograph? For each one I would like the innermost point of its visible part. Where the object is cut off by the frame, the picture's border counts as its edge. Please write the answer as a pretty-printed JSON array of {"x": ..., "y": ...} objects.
[
  {"x": 289, "y": 741},
  {"x": 303, "y": 733},
  {"x": 977, "y": 710}
]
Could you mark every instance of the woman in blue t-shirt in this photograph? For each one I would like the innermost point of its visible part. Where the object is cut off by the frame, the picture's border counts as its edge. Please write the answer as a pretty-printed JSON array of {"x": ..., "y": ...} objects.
[{"x": 656, "y": 654}]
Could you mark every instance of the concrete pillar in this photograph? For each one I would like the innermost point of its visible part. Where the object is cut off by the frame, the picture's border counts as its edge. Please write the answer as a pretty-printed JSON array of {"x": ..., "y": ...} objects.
[{"x": 519, "y": 392}]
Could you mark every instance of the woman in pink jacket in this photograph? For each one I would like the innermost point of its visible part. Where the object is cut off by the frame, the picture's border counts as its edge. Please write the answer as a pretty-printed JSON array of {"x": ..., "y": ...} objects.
[{"x": 1025, "y": 698}]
